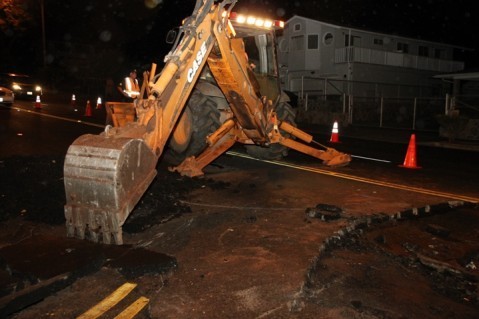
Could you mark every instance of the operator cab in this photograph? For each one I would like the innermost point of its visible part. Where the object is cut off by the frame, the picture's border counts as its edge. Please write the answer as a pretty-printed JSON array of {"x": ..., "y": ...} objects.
[
  {"x": 260, "y": 45},
  {"x": 259, "y": 40}
]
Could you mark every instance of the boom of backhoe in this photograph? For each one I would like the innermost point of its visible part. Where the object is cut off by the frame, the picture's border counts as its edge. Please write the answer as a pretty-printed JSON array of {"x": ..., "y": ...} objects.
[{"x": 105, "y": 175}]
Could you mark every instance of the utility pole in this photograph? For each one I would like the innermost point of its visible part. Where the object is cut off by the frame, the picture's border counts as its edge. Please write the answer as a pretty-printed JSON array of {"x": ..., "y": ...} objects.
[{"x": 44, "y": 44}]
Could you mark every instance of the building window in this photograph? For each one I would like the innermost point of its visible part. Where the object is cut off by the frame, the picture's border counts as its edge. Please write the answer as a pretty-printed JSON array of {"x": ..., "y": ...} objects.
[
  {"x": 439, "y": 53},
  {"x": 313, "y": 42},
  {"x": 377, "y": 41},
  {"x": 297, "y": 27},
  {"x": 328, "y": 39},
  {"x": 297, "y": 43},
  {"x": 423, "y": 51},
  {"x": 283, "y": 45},
  {"x": 458, "y": 54},
  {"x": 352, "y": 40},
  {"x": 403, "y": 47}
]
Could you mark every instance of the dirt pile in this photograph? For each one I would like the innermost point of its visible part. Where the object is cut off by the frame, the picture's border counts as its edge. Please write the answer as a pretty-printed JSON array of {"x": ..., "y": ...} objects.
[{"x": 32, "y": 188}]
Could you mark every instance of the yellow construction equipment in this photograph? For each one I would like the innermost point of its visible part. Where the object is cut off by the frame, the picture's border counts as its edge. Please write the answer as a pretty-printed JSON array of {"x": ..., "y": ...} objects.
[{"x": 219, "y": 86}]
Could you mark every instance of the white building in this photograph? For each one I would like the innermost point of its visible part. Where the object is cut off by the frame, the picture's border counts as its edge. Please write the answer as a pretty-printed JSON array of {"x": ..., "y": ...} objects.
[{"x": 318, "y": 58}]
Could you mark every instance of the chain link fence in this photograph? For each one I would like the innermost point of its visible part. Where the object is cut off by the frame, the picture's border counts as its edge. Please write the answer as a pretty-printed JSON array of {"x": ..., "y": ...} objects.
[
  {"x": 452, "y": 117},
  {"x": 404, "y": 113}
]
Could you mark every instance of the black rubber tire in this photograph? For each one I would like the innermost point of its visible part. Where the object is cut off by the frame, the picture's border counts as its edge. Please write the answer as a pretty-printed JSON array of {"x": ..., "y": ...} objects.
[
  {"x": 285, "y": 112},
  {"x": 204, "y": 119}
]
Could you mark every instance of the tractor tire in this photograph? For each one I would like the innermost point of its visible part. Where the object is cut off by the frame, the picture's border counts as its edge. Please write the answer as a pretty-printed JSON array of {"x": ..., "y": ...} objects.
[
  {"x": 201, "y": 117},
  {"x": 285, "y": 112}
]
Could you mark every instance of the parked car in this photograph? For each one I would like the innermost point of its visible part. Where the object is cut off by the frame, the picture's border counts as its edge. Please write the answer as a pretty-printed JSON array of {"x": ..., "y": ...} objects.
[
  {"x": 22, "y": 85},
  {"x": 6, "y": 96}
]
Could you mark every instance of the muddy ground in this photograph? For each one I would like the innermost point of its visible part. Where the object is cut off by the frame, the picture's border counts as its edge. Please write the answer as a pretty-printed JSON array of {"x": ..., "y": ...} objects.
[
  {"x": 421, "y": 268},
  {"x": 254, "y": 263}
]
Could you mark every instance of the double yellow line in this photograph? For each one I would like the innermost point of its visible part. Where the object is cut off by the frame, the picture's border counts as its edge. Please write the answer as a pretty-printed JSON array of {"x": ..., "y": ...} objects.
[
  {"x": 113, "y": 299},
  {"x": 314, "y": 170},
  {"x": 420, "y": 190}
]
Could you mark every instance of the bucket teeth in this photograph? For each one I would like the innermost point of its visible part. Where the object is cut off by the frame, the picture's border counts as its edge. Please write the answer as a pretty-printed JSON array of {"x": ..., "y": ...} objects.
[{"x": 93, "y": 226}]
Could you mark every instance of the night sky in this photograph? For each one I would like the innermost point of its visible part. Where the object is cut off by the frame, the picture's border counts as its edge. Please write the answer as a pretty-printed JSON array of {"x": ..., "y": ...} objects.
[{"x": 132, "y": 32}]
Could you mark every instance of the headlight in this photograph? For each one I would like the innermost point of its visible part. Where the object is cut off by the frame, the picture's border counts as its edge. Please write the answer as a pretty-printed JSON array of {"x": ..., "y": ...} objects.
[
  {"x": 16, "y": 87},
  {"x": 38, "y": 88}
]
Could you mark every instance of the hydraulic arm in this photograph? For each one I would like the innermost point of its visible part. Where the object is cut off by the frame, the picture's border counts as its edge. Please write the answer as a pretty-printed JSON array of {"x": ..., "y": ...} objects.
[{"x": 106, "y": 175}]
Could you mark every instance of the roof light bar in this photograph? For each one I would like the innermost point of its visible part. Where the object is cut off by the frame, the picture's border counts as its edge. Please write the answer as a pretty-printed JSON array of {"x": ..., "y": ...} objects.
[{"x": 256, "y": 21}]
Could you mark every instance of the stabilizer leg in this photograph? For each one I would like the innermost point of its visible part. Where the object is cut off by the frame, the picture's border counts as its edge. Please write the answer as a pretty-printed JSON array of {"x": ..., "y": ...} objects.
[{"x": 219, "y": 142}]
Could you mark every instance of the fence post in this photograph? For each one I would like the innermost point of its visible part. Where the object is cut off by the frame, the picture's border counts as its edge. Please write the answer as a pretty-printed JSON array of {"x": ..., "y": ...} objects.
[
  {"x": 302, "y": 87},
  {"x": 446, "y": 107},
  {"x": 414, "y": 114},
  {"x": 381, "y": 112},
  {"x": 350, "y": 105}
]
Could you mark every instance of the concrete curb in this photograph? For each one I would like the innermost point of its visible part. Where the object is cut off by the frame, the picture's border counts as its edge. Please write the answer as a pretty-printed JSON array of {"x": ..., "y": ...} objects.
[{"x": 455, "y": 146}]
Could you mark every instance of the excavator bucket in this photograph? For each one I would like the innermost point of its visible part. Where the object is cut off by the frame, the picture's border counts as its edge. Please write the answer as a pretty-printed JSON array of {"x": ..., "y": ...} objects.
[{"x": 104, "y": 179}]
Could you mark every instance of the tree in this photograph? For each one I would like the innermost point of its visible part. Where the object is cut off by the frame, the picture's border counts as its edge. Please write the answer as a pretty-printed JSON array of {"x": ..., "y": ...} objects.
[
  {"x": 14, "y": 16},
  {"x": 17, "y": 33}
]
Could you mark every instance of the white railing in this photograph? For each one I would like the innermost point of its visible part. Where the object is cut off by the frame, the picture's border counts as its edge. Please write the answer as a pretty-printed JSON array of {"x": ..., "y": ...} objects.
[
  {"x": 365, "y": 55},
  {"x": 298, "y": 82}
]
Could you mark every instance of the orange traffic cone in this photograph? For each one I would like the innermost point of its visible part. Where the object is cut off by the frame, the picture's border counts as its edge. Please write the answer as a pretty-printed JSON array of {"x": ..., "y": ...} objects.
[
  {"x": 88, "y": 109},
  {"x": 98, "y": 103},
  {"x": 38, "y": 103},
  {"x": 335, "y": 133},
  {"x": 410, "y": 159}
]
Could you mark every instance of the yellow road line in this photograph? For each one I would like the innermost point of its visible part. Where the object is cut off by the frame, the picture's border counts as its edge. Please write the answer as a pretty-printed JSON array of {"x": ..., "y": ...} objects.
[
  {"x": 133, "y": 309},
  {"x": 109, "y": 302},
  {"x": 363, "y": 179},
  {"x": 312, "y": 169},
  {"x": 58, "y": 117}
]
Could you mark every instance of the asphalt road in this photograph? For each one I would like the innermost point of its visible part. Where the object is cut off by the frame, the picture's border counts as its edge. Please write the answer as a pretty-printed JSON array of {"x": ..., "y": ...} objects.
[
  {"x": 27, "y": 131},
  {"x": 244, "y": 242}
]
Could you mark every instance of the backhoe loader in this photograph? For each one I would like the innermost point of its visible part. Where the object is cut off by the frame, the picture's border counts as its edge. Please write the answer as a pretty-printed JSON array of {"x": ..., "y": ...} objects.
[{"x": 219, "y": 86}]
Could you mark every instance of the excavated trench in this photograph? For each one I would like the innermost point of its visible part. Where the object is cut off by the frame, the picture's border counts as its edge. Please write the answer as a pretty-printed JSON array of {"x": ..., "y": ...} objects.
[{"x": 420, "y": 263}]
